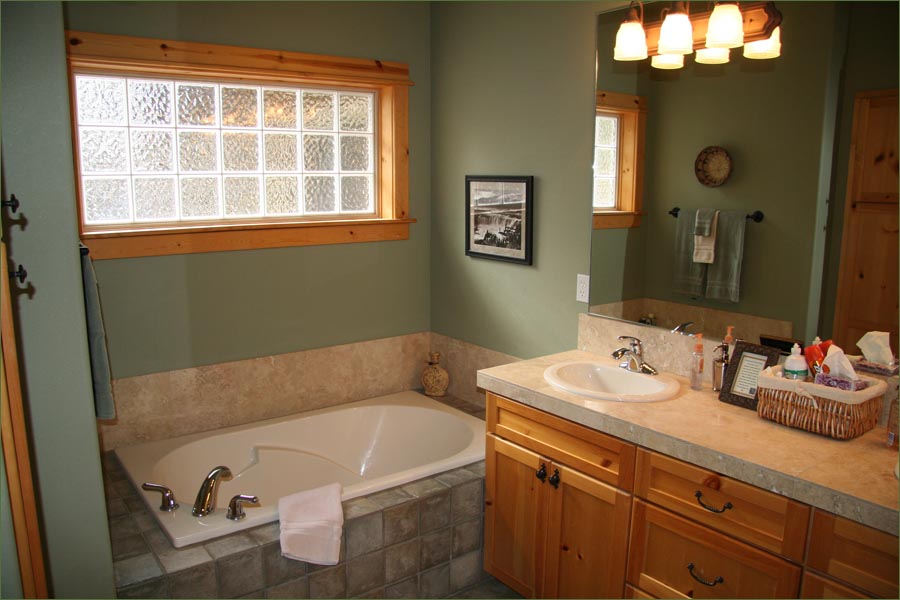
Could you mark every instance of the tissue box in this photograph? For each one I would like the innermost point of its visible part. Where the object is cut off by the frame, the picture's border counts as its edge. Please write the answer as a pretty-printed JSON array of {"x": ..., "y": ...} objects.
[
  {"x": 841, "y": 383},
  {"x": 879, "y": 369}
]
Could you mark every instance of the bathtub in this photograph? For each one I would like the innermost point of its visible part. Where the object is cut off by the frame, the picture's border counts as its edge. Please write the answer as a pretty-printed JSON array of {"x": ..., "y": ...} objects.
[{"x": 367, "y": 446}]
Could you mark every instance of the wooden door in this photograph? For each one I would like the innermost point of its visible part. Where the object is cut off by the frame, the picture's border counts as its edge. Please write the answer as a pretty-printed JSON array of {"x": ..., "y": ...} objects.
[
  {"x": 513, "y": 515},
  {"x": 867, "y": 294},
  {"x": 23, "y": 505},
  {"x": 587, "y": 537}
]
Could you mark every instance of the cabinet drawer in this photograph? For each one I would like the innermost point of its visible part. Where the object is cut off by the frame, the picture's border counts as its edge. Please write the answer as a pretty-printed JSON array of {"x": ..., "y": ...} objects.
[
  {"x": 633, "y": 592},
  {"x": 601, "y": 456},
  {"x": 751, "y": 514},
  {"x": 816, "y": 586},
  {"x": 673, "y": 557},
  {"x": 851, "y": 552}
]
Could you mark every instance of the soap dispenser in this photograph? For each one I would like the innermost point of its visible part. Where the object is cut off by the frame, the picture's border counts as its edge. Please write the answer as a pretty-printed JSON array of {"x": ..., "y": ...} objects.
[{"x": 720, "y": 365}]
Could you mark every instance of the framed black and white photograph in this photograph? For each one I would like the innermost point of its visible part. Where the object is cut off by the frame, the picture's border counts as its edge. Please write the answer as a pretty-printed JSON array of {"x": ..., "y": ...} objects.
[
  {"x": 739, "y": 386},
  {"x": 498, "y": 217}
]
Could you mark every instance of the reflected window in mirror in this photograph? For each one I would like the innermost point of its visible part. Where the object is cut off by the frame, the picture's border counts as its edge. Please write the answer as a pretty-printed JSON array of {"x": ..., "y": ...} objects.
[{"x": 619, "y": 133}]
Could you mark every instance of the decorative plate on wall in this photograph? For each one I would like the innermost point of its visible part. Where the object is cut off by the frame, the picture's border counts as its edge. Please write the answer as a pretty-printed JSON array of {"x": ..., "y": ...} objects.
[{"x": 713, "y": 166}]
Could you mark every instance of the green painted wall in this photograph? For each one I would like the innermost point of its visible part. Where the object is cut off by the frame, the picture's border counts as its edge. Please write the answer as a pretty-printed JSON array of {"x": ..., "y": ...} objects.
[
  {"x": 769, "y": 115},
  {"x": 513, "y": 95},
  {"x": 871, "y": 64},
  {"x": 37, "y": 167},
  {"x": 180, "y": 311}
]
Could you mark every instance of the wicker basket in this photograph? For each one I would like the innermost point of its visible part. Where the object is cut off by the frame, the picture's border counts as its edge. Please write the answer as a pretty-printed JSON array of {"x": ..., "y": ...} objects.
[{"x": 817, "y": 408}]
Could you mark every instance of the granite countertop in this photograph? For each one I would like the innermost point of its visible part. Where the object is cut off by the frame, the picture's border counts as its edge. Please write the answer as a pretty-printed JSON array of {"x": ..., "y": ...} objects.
[{"x": 854, "y": 478}]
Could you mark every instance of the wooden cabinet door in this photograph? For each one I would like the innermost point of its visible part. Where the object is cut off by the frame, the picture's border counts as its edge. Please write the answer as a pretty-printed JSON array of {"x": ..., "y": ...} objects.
[
  {"x": 852, "y": 552},
  {"x": 513, "y": 515},
  {"x": 671, "y": 557},
  {"x": 587, "y": 537},
  {"x": 817, "y": 586},
  {"x": 867, "y": 293}
]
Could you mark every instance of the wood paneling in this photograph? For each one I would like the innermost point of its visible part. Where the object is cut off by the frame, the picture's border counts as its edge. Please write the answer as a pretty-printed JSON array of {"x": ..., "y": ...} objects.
[{"x": 818, "y": 586}]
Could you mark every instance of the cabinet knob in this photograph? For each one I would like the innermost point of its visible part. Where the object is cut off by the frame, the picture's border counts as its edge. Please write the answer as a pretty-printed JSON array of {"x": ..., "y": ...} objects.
[
  {"x": 541, "y": 473},
  {"x": 713, "y": 583},
  {"x": 554, "y": 479},
  {"x": 699, "y": 496}
]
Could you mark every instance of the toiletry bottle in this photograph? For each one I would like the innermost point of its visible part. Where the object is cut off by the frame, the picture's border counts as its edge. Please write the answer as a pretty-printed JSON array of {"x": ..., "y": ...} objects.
[
  {"x": 728, "y": 340},
  {"x": 720, "y": 365},
  {"x": 697, "y": 363},
  {"x": 795, "y": 366}
]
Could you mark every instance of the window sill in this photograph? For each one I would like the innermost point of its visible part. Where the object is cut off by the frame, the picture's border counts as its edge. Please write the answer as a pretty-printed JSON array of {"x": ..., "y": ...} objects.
[
  {"x": 614, "y": 219},
  {"x": 217, "y": 238}
]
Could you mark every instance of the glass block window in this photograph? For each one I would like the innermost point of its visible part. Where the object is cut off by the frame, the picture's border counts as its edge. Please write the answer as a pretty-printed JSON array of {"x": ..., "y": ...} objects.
[
  {"x": 156, "y": 150},
  {"x": 606, "y": 150}
]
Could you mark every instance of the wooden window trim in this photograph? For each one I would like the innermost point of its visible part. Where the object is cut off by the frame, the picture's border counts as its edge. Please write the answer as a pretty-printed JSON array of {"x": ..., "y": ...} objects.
[
  {"x": 123, "y": 55},
  {"x": 632, "y": 112}
]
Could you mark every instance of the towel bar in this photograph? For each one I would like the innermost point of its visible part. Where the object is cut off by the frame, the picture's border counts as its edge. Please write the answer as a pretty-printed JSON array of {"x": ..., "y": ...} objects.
[{"x": 756, "y": 216}]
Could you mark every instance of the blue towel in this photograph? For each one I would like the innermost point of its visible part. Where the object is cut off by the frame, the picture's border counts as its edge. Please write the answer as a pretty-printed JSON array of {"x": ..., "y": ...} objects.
[
  {"x": 100, "y": 373},
  {"x": 688, "y": 275},
  {"x": 723, "y": 281}
]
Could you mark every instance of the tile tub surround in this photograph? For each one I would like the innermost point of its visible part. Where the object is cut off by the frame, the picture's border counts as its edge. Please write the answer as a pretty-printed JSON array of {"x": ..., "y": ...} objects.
[
  {"x": 854, "y": 478},
  {"x": 709, "y": 321},
  {"x": 173, "y": 403},
  {"x": 419, "y": 540},
  {"x": 462, "y": 360}
]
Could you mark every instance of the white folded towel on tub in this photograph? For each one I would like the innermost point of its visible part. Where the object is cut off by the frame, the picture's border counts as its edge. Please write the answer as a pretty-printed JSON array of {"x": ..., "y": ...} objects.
[{"x": 311, "y": 525}]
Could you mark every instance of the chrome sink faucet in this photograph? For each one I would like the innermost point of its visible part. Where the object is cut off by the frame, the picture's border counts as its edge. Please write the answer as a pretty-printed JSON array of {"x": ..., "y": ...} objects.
[
  {"x": 206, "y": 497},
  {"x": 633, "y": 357},
  {"x": 682, "y": 328}
]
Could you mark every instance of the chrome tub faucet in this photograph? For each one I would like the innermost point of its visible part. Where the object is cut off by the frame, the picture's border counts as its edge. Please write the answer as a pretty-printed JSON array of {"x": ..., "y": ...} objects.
[
  {"x": 206, "y": 497},
  {"x": 633, "y": 357}
]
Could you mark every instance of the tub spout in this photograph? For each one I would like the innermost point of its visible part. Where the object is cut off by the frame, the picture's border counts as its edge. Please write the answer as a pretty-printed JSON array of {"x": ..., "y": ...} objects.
[{"x": 206, "y": 497}]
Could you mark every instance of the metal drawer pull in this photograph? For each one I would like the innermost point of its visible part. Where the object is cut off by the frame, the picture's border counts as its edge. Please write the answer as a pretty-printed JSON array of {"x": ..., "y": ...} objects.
[
  {"x": 541, "y": 473},
  {"x": 699, "y": 496},
  {"x": 554, "y": 479},
  {"x": 713, "y": 583}
]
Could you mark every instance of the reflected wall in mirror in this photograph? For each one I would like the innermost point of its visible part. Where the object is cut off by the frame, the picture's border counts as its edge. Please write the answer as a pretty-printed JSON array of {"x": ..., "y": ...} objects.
[{"x": 786, "y": 124}]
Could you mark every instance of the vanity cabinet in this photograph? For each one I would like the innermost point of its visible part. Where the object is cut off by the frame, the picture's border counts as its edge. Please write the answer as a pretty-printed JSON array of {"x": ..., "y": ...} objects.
[
  {"x": 566, "y": 504},
  {"x": 556, "y": 520}
]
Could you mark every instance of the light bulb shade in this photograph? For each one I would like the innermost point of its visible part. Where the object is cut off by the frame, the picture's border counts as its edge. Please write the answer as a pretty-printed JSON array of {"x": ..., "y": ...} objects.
[
  {"x": 667, "y": 61},
  {"x": 712, "y": 56},
  {"x": 770, "y": 48},
  {"x": 631, "y": 42},
  {"x": 676, "y": 36},
  {"x": 726, "y": 27}
]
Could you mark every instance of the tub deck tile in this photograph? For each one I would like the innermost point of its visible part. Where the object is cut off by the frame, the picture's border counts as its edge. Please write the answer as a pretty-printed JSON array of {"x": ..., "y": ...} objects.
[
  {"x": 298, "y": 588},
  {"x": 434, "y": 511},
  {"x": 435, "y": 548},
  {"x": 196, "y": 582},
  {"x": 466, "y": 536},
  {"x": 358, "y": 507},
  {"x": 278, "y": 569},
  {"x": 401, "y": 560},
  {"x": 231, "y": 544},
  {"x": 401, "y": 523},
  {"x": 435, "y": 583},
  {"x": 466, "y": 571},
  {"x": 390, "y": 497},
  {"x": 456, "y": 476},
  {"x": 424, "y": 487},
  {"x": 364, "y": 534},
  {"x": 365, "y": 573},
  {"x": 266, "y": 534},
  {"x": 467, "y": 500},
  {"x": 329, "y": 583},
  {"x": 136, "y": 569},
  {"x": 128, "y": 546},
  {"x": 240, "y": 574},
  {"x": 408, "y": 588},
  {"x": 178, "y": 559}
]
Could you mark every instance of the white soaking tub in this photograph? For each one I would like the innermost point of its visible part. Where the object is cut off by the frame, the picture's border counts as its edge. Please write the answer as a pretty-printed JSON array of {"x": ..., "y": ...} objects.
[{"x": 367, "y": 446}]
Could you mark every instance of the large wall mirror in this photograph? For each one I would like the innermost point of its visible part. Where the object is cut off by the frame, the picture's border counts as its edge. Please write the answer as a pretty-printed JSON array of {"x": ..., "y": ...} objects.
[{"x": 786, "y": 124}]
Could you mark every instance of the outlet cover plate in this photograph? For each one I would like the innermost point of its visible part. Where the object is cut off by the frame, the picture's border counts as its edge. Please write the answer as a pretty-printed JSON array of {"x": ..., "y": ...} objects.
[{"x": 582, "y": 290}]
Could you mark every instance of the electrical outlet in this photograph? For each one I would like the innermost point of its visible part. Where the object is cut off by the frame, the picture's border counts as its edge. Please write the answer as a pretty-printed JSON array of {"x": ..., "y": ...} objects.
[{"x": 582, "y": 289}]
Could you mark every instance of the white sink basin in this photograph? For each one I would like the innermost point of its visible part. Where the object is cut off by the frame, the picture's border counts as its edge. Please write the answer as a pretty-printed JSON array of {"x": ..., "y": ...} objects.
[{"x": 610, "y": 382}]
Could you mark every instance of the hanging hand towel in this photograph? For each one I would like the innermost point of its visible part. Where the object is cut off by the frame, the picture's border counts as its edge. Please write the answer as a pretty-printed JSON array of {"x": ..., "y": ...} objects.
[
  {"x": 723, "y": 280},
  {"x": 104, "y": 406},
  {"x": 705, "y": 236},
  {"x": 688, "y": 278},
  {"x": 311, "y": 525}
]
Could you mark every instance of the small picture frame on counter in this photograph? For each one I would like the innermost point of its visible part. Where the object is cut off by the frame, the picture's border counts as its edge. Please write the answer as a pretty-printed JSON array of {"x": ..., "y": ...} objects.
[{"x": 739, "y": 386}]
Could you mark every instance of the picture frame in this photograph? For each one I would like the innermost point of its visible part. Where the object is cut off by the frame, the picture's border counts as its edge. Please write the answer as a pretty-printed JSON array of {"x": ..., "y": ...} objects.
[
  {"x": 499, "y": 221},
  {"x": 739, "y": 385}
]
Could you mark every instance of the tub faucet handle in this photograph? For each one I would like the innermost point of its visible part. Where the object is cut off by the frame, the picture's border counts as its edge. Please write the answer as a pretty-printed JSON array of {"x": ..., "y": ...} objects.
[
  {"x": 168, "y": 498},
  {"x": 236, "y": 506}
]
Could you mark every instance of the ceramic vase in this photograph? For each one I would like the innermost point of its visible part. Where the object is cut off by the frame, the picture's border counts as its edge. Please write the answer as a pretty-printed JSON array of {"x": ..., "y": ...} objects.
[{"x": 435, "y": 378}]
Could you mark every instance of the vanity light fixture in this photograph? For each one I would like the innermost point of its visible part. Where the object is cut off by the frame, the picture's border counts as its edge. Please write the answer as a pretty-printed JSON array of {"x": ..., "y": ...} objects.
[
  {"x": 770, "y": 48},
  {"x": 758, "y": 28},
  {"x": 631, "y": 41},
  {"x": 676, "y": 35},
  {"x": 712, "y": 56},
  {"x": 726, "y": 26},
  {"x": 667, "y": 61}
]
